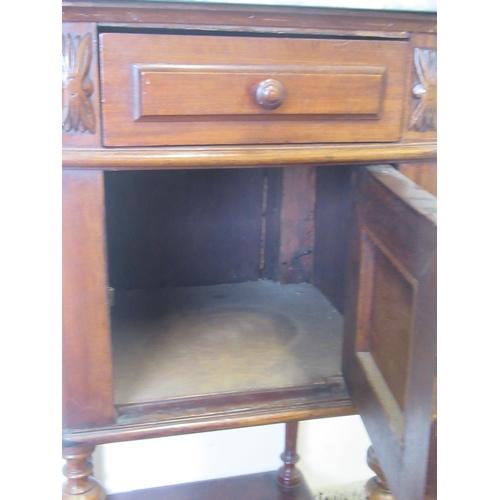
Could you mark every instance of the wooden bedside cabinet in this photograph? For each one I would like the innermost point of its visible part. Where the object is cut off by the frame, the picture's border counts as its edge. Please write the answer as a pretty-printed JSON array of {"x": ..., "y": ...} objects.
[{"x": 244, "y": 242}]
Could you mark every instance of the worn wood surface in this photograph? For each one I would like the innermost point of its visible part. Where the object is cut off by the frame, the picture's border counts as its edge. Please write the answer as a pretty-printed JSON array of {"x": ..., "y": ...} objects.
[
  {"x": 165, "y": 92},
  {"x": 169, "y": 343},
  {"x": 422, "y": 173},
  {"x": 87, "y": 389},
  {"x": 280, "y": 408},
  {"x": 86, "y": 344},
  {"x": 261, "y": 486},
  {"x": 244, "y": 156},
  {"x": 78, "y": 470},
  {"x": 424, "y": 41},
  {"x": 395, "y": 222},
  {"x": 218, "y": 76},
  {"x": 244, "y": 18},
  {"x": 297, "y": 225},
  {"x": 289, "y": 476},
  {"x": 81, "y": 103}
]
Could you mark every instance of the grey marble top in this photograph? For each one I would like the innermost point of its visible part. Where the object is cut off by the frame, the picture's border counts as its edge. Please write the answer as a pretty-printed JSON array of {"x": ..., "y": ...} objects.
[{"x": 401, "y": 5}]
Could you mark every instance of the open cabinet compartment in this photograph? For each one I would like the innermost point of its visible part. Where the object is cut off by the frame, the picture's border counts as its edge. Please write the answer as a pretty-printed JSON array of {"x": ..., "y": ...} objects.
[{"x": 228, "y": 286}]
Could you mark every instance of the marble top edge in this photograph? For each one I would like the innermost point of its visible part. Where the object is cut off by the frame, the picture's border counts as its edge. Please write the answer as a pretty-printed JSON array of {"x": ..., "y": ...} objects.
[{"x": 394, "y": 5}]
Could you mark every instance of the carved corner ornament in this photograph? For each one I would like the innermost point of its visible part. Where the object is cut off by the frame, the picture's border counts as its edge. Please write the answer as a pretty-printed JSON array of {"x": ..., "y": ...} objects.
[
  {"x": 424, "y": 114},
  {"x": 77, "y": 87}
]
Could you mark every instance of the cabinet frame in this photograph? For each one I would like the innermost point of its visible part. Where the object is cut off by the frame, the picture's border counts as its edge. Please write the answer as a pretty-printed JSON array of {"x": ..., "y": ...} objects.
[{"x": 90, "y": 416}]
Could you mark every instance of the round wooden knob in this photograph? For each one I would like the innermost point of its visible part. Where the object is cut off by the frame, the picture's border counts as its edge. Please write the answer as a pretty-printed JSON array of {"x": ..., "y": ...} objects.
[{"x": 270, "y": 94}]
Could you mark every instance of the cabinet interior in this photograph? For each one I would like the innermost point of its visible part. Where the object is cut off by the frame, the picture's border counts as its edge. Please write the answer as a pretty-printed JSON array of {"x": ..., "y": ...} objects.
[{"x": 226, "y": 281}]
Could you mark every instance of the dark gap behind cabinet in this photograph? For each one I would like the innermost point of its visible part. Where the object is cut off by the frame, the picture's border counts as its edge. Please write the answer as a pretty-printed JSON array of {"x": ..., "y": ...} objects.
[
  {"x": 207, "y": 227},
  {"x": 332, "y": 224},
  {"x": 191, "y": 227}
]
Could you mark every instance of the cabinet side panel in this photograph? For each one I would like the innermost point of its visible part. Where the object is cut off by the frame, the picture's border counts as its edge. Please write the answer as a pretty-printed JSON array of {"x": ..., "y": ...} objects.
[{"x": 87, "y": 375}]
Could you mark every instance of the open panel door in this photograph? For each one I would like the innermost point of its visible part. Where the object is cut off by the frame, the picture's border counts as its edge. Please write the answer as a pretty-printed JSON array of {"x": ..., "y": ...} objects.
[{"x": 390, "y": 334}]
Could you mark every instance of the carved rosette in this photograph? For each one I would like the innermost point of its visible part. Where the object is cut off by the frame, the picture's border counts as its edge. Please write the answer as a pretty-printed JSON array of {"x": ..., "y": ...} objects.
[
  {"x": 424, "y": 114},
  {"x": 77, "y": 112}
]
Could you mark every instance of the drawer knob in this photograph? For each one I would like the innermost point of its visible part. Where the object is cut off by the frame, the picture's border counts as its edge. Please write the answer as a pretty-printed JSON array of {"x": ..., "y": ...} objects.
[{"x": 270, "y": 94}]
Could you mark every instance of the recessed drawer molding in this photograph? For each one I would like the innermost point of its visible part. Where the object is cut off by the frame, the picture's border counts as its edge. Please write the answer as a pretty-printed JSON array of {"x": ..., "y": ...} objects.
[
  {"x": 160, "y": 90},
  {"x": 169, "y": 91}
]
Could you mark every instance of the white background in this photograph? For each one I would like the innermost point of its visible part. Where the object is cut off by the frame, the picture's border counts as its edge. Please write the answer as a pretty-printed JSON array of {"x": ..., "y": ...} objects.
[
  {"x": 469, "y": 249},
  {"x": 333, "y": 452}
]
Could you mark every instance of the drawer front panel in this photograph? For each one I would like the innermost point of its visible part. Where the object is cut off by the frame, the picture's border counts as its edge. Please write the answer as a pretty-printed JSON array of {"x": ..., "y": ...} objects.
[
  {"x": 168, "y": 92},
  {"x": 181, "y": 90}
]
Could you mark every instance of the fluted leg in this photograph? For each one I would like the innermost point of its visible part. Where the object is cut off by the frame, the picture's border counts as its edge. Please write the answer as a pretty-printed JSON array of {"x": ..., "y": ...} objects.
[
  {"x": 376, "y": 487},
  {"x": 288, "y": 475},
  {"x": 80, "y": 485}
]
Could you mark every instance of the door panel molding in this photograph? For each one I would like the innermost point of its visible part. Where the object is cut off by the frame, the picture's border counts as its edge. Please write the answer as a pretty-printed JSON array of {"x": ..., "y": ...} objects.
[{"x": 390, "y": 333}]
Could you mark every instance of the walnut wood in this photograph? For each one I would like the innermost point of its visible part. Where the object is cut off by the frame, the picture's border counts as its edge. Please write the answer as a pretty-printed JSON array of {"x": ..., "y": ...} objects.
[
  {"x": 410, "y": 133},
  {"x": 164, "y": 92},
  {"x": 288, "y": 474},
  {"x": 233, "y": 417},
  {"x": 80, "y": 485},
  {"x": 318, "y": 74},
  {"x": 86, "y": 346},
  {"x": 300, "y": 208},
  {"x": 184, "y": 341},
  {"x": 326, "y": 393},
  {"x": 260, "y": 486},
  {"x": 297, "y": 225},
  {"x": 81, "y": 95},
  {"x": 397, "y": 219},
  {"x": 243, "y": 156},
  {"x": 376, "y": 488},
  {"x": 237, "y": 18},
  {"x": 422, "y": 173},
  {"x": 270, "y": 94}
]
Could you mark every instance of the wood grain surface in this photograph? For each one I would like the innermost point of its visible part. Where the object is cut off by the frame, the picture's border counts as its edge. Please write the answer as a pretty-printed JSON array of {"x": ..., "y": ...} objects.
[
  {"x": 86, "y": 356},
  {"x": 389, "y": 354},
  {"x": 162, "y": 90}
]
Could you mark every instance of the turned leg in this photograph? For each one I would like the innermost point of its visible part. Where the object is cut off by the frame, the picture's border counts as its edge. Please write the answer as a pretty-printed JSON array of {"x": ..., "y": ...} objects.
[
  {"x": 288, "y": 475},
  {"x": 80, "y": 485},
  {"x": 376, "y": 487}
]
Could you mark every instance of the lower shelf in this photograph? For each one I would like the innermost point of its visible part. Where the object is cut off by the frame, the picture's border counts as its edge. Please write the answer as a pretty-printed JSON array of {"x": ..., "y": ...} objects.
[
  {"x": 262, "y": 486},
  {"x": 197, "y": 359},
  {"x": 237, "y": 338}
]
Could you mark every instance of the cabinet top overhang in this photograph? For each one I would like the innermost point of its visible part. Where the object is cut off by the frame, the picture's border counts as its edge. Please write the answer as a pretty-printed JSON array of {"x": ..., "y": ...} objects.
[{"x": 283, "y": 16}]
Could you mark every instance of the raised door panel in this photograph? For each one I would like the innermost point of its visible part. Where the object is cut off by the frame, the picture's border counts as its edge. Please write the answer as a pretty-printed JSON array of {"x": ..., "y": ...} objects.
[{"x": 390, "y": 340}]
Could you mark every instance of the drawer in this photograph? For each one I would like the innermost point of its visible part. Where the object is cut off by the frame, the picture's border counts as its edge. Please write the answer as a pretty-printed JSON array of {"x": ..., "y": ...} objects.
[{"x": 160, "y": 90}]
